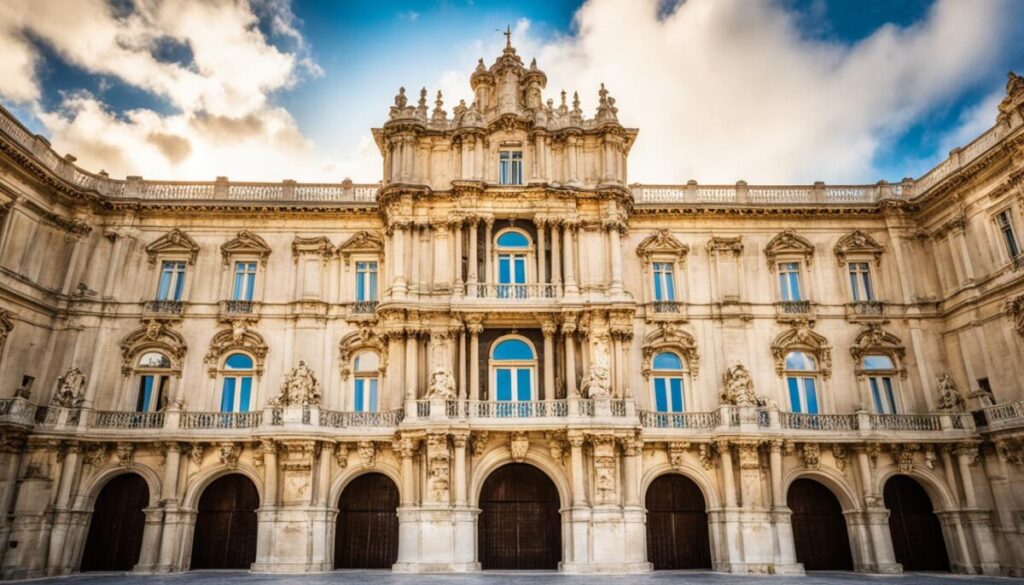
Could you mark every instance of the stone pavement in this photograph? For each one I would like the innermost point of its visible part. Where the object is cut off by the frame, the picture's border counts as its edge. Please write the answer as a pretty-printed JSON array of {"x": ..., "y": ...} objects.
[{"x": 510, "y": 578}]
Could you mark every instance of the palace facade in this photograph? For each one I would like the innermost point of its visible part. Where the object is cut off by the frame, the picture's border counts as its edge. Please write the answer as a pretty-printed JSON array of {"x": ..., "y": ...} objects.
[{"x": 506, "y": 355}]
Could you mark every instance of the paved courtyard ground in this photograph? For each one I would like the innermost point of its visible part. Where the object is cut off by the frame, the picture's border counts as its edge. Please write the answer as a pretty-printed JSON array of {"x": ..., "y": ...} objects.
[{"x": 501, "y": 578}]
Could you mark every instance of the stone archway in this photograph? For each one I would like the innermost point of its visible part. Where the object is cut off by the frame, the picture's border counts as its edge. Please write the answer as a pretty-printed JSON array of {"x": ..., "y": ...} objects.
[
  {"x": 916, "y": 532},
  {"x": 225, "y": 531},
  {"x": 519, "y": 526},
  {"x": 820, "y": 535},
  {"x": 118, "y": 521},
  {"x": 366, "y": 533},
  {"x": 677, "y": 524}
]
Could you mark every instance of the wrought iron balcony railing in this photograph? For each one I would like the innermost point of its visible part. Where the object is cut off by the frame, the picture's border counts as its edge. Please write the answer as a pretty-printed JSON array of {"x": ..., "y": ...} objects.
[{"x": 165, "y": 307}]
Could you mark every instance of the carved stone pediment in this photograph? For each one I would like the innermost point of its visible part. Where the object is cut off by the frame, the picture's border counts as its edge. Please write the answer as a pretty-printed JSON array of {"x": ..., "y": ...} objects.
[
  {"x": 802, "y": 338},
  {"x": 363, "y": 242},
  {"x": 173, "y": 242},
  {"x": 365, "y": 339},
  {"x": 300, "y": 387},
  {"x": 154, "y": 335},
  {"x": 238, "y": 338},
  {"x": 670, "y": 337},
  {"x": 724, "y": 245},
  {"x": 662, "y": 243},
  {"x": 788, "y": 243},
  {"x": 875, "y": 340},
  {"x": 858, "y": 243},
  {"x": 247, "y": 243},
  {"x": 318, "y": 245}
]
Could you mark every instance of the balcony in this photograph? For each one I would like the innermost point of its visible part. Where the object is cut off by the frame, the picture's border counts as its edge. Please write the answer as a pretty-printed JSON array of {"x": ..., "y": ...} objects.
[
  {"x": 1009, "y": 415},
  {"x": 791, "y": 310},
  {"x": 859, "y": 311},
  {"x": 364, "y": 307},
  {"x": 515, "y": 292},
  {"x": 17, "y": 411},
  {"x": 221, "y": 420},
  {"x": 337, "y": 419},
  {"x": 117, "y": 419},
  {"x": 666, "y": 311},
  {"x": 164, "y": 307},
  {"x": 235, "y": 307}
]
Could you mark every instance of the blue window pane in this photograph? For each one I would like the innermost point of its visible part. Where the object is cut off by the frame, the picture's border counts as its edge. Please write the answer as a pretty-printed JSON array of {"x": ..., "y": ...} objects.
[
  {"x": 812, "y": 396},
  {"x": 243, "y": 400},
  {"x": 513, "y": 349},
  {"x": 145, "y": 393},
  {"x": 503, "y": 378},
  {"x": 676, "y": 385},
  {"x": 878, "y": 362},
  {"x": 670, "y": 287},
  {"x": 165, "y": 285},
  {"x": 794, "y": 286},
  {"x": 227, "y": 397},
  {"x": 358, "y": 406},
  {"x": 657, "y": 287},
  {"x": 876, "y": 397},
  {"x": 504, "y": 269},
  {"x": 667, "y": 361},
  {"x": 373, "y": 287},
  {"x": 794, "y": 394},
  {"x": 180, "y": 284},
  {"x": 868, "y": 292},
  {"x": 520, "y": 274},
  {"x": 660, "y": 395},
  {"x": 372, "y": 406},
  {"x": 250, "y": 285},
  {"x": 238, "y": 361},
  {"x": 853, "y": 285},
  {"x": 887, "y": 382},
  {"x": 360, "y": 286},
  {"x": 513, "y": 240},
  {"x": 799, "y": 360},
  {"x": 523, "y": 384},
  {"x": 783, "y": 289}
]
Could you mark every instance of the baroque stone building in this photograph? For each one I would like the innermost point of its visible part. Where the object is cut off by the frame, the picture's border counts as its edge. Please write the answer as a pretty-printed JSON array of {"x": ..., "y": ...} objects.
[{"x": 506, "y": 355}]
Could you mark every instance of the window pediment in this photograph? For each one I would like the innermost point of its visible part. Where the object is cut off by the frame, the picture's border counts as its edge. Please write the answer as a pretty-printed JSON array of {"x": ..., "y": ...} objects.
[
  {"x": 875, "y": 340},
  {"x": 858, "y": 243},
  {"x": 318, "y": 245},
  {"x": 802, "y": 338},
  {"x": 365, "y": 339},
  {"x": 669, "y": 337},
  {"x": 173, "y": 242},
  {"x": 788, "y": 243},
  {"x": 248, "y": 243},
  {"x": 662, "y": 243},
  {"x": 238, "y": 338},
  {"x": 154, "y": 335},
  {"x": 363, "y": 242}
]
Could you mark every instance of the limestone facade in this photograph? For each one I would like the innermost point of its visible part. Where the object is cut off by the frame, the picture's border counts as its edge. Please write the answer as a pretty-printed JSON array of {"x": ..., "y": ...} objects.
[{"x": 367, "y": 318}]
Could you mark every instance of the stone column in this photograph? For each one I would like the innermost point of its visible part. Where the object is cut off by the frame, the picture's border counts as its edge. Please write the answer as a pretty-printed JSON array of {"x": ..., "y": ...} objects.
[
  {"x": 780, "y": 511},
  {"x": 323, "y": 476},
  {"x": 269, "y": 473},
  {"x": 631, "y": 450},
  {"x": 411, "y": 365},
  {"x": 394, "y": 374},
  {"x": 615, "y": 251},
  {"x": 462, "y": 363},
  {"x": 571, "y": 147},
  {"x": 407, "y": 448},
  {"x": 472, "y": 278},
  {"x": 478, "y": 166},
  {"x": 459, "y": 284},
  {"x": 877, "y": 518},
  {"x": 169, "y": 541},
  {"x": 569, "y": 331},
  {"x": 415, "y": 264},
  {"x": 460, "y": 480},
  {"x": 556, "y": 257},
  {"x": 775, "y": 463},
  {"x": 399, "y": 285},
  {"x": 542, "y": 272},
  {"x": 979, "y": 520},
  {"x": 169, "y": 488},
  {"x": 728, "y": 480},
  {"x": 488, "y": 247},
  {"x": 576, "y": 457},
  {"x": 475, "y": 329},
  {"x": 548, "y": 329},
  {"x": 570, "y": 269},
  {"x": 442, "y": 257},
  {"x": 117, "y": 245},
  {"x": 55, "y": 563}
]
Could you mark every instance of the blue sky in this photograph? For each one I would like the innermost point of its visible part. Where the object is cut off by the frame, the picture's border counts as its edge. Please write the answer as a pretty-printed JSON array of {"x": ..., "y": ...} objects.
[{"x": 761, "y": 90}]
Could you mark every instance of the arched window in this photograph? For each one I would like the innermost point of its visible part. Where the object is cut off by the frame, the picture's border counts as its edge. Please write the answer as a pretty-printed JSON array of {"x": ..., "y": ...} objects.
[
  {"x": 802, "y": 382},
  {"x": 366, "y": 368},
  {"x": 512, "y": 248},
  {"x": 667, "y": 373},
  {"x": 513, "y": 370},
  {"x": 154, "y": 373},
  {"x": 880, "y": 371},
  {"x": 236, "y": 387}
]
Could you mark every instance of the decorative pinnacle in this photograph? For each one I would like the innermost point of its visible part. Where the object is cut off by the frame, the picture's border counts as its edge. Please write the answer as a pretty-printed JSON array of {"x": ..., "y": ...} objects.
[{"x": 508, "y": 37}]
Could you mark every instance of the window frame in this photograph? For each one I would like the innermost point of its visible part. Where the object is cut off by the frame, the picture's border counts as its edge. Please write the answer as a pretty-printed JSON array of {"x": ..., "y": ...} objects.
[
  {"x": 532, "y": 365},
  {"x": 253, "y": 277},
  {"x": 1011, "y": 239},
  {"x": 358, "y": 295},
  {"x": 800, "y": 377},
  {"x": 178, "y": 280},
  {"x": 364, "y": 376},
  {"x": 683, "y": 375},
  {"x": 802, "y": 293},
  {"x": 529, "y": 253},
  {"x": 162, "y": 377},
  {"x": 506, "y": 157},
  {"x": 224, "y": 373},
  {"x": 855, "y": 280}
]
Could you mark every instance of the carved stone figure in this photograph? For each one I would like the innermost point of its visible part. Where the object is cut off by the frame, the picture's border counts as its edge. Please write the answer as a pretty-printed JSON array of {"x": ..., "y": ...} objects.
[
  {"x": 519, "y": 445},
  {"x": 300, "y": 387},
  {"x": 442, "y": 384},
  {"x": 598, "y": 383},
  {"x": 950, "y": 399},
  {"x": 70, "y": 392},
  {"x": 739, "y": 387}
]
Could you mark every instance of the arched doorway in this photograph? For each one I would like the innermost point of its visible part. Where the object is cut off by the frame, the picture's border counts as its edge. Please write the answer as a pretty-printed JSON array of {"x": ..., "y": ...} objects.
[
  {"x": 519, "y": 526},
  {"x": 819, "y": 529},
  {"x": 225, "y": 535},
  {"x": 366, "y": 535},
  {"x": 916, "y": 534},
  {"x": 677, "y": 524},
  {"x": 115, "y": 532}
]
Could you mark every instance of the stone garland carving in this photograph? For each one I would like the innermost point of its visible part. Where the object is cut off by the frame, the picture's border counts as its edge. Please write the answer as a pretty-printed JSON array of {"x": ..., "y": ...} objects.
[
  {"x": 857, "y": 243},
  {"x": 802, "y": 338},
  {"x": 519, "y": 444},
  {"x": 438, "y": 458},
  {"x": 173, "y": 242},
  {"x": 367, "y": 453},
  {"x": 245, "y": 242},
  {"x": 442, "y": 384},
  {"x": 320, "y": 246},
  {"x": 929, "y": 457},
  {"x": 341, "y": 455},
  {"x": 708, "y": 456},
  {"x": 125, "y": 454},
  {"x": 873, "y": 450},
  {"x": 1014, "y": 308},
  {"x": 670, "y": 337},
  {"x": 1011, "y": 449},
  {"x": 300, "y": 387},
  {"x": 597, "y": 383},
  {"x": 603, "y": 446},
  {"x": 874, "y": 339},
  {"x": 739, "y": 387},
  {"x": 70, "y": 390},
  {"x": 749, "y": 454},
  {"x": 299, "y": 455},
  {"x": 196, "y": 453},
  {"x": 153, "y": 335},
  {"x": 904, "y": 455},
  {"x": 238, "y": 338},
  {"x": 557, "y": 441},
  {"x": 724, "y": 245},
  {"x": 788, "y": 243},
  {"x": 950, "y": 399},
  {"x": 229, "y": 453}
]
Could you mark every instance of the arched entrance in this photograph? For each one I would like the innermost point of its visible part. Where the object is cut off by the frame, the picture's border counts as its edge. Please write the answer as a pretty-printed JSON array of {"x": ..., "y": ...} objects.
[
  {"x": 225, "y": 535},
  {"x": 916, "y": 534},
  {"x": 366, "y": 535},
  {"x": 115, "y": 532},
  {"x": 519, "y": 525},
  {"x": 819, "y": 529},
  {"x": 677, "y": 524}
]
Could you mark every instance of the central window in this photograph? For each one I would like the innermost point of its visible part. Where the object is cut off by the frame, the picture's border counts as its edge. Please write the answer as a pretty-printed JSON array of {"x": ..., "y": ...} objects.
[
  {"x": 513, "y": 370},
  {"x": 172, "y": 281},
  {"x": 365, "y": 382},
  {"x": 236, "y": 389},
  {"x": 154, "y": 371},
  {"x": 513, "y": 250},
  {"x": 366, "y": 281},
  {"x": 880, "y": 370},
  {"x": 801, "y": 380},
  {"x": 245, "y": 280},
  {"x": 789, "y": 281},
  {"x": 664, "y": 282},
  {"x": 860, "y": 282},
  {"x": 510, "y": 167},
  {"x": 667, "y": 378}
]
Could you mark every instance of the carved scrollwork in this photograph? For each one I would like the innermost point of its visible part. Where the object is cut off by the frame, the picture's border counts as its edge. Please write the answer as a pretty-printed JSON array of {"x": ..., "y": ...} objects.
[
  {"x": 670, "y": 337},
  {"x": 247, "y": 243},
  {"x": 875, "y": 340},
  {"x": 788, "y": 243},
  {"x": 802, "y": 338},
  {"x": 173, "y": 242},
  {"x": 238, "y": 338},
  {"x": 155, "y": 335},
  {"x": 857, "y": 243}
]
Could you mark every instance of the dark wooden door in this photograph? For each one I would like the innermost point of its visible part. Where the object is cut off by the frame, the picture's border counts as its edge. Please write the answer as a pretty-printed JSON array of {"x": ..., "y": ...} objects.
[
  {"x": 916, "y": 534},
  {"x": 225, "y": 536},
  {"x": 115, "y": 532},
  {"x": 366, "y": 536},
  {"x": 819, "y": 527},
  {"x": 520, "y": 527},
  {"x": 677, "y": 525}
]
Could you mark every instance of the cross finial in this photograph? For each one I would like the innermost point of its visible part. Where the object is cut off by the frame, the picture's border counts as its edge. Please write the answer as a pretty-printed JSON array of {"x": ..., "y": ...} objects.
[{"x": 508, "y": 37}]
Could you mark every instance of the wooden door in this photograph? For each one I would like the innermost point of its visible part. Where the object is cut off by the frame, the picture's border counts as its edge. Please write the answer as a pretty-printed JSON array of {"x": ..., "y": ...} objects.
[
  {"x": 819, "y": 527},
  {"x": 677, "y": 525},
  {"x": 115, "y": 532},
  {"x": 225, "y": 535},
  {"x": 366, "y": 535},
  {"x": 520, "y": 527},
  {"x": 916, "y": 534}
]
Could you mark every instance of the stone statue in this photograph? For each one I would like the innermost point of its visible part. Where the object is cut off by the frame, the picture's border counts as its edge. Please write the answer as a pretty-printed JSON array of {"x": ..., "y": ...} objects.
[
  {"x": 300, "y": 388},
  {"x": 950, "y": 399},
  {"x": 597, "y": 384},
  {"x": 442, "y": 384},
  {"x": 739, "y": 387},
  {"x": 70, "y": 392}
]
